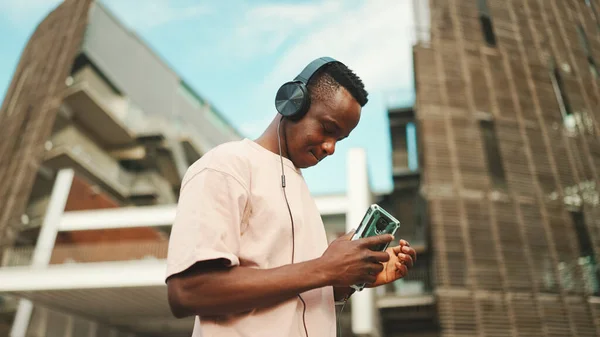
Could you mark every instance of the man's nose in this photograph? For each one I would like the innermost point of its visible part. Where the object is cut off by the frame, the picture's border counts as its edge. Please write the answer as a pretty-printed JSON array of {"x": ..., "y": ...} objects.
[{"x": 329, "y": 147}]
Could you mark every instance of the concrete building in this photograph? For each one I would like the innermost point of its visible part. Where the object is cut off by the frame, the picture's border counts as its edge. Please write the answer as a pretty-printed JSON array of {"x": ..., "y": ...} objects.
[
  {"x": 96, "y": 132},
  {"x": 508, "y": 143}
]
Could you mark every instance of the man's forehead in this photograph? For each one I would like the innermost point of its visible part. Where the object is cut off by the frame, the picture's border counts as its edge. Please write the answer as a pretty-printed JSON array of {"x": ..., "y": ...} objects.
[{"x": 344, "y": 114}]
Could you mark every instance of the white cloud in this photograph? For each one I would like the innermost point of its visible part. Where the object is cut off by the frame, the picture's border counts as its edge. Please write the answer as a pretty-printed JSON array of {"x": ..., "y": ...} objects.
[
  {"x": 265, "y": 28},
  {"x": 255, "y": 128},
  {"x": 374, "y": 40},
  {"x": 147, "y": 14},
  {"x": 22, "y": 12}
]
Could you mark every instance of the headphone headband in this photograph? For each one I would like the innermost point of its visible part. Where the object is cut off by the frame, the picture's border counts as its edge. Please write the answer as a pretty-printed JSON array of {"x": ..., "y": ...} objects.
[{"x": 312, "y": 68}]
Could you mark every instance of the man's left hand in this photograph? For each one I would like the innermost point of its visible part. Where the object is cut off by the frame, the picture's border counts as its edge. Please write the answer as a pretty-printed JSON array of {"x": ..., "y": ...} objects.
[{"x": 402, "y": 258}]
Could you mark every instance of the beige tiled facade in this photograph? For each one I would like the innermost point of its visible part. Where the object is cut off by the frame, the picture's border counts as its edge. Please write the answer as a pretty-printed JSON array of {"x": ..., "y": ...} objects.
[{"x": 509, "y": 143}]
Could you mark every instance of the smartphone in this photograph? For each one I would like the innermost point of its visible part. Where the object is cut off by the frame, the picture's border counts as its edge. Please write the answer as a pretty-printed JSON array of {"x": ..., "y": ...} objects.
[{"x": 377, "y": 221}]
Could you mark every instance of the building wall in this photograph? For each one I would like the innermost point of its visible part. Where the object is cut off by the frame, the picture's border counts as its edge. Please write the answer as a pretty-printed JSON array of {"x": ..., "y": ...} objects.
[
  {"x": 104, "y": 244},
  {"x": 30, "y": 107},
  {"x": 510, "y": 156},
  {"x": 160, "y": 94}
]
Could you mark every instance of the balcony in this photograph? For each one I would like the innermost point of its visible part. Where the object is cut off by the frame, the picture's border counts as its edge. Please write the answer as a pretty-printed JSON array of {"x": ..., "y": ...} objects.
[
  {"x": 96, "y": 107},
  {"x": 414, "y": 290},
  {"x": 91, "y": 252},
  {"x": 409, "y": 303},
  {"x": 71, "y": 148}
]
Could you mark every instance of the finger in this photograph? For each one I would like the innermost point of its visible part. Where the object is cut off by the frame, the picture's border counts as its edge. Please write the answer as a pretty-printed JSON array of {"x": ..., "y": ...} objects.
[
  {"x": 348, "y": 235},
  {"x": 370, "y": 279},
  {"x": 380, "y": 256},
  {"x": 397, "y": 250},
  {"x": 410, "y": 251},
  {"x": 406, "y": 260},
  {"x": 404, "y": 243},
  {"x": 402, "y": 270},
  {"x": 376, "y": 240},
  {"x": 376, "y": 268}
]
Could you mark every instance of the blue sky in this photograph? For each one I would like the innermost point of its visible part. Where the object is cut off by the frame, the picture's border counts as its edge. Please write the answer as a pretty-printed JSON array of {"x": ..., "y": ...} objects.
[{"x": 236, "y": 53}]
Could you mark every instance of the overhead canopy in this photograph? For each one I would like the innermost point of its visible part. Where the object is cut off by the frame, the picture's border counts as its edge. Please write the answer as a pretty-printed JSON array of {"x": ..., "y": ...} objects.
[{"x": 127, "y": 294}]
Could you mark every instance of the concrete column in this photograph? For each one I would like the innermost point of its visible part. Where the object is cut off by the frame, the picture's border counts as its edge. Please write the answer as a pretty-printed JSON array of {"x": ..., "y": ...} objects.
[
  {"x": 45, "y": 243},
  {"x": 365, "y": 318},
  {"x": 422, "y": 21},
  {"x": 178, "y": 156}
]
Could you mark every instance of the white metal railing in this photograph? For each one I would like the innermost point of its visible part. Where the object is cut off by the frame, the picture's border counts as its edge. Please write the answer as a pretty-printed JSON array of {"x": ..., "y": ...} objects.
[{"x": 86, "y": 253}]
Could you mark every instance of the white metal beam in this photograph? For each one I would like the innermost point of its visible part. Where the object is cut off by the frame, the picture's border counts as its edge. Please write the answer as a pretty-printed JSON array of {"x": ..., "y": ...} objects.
[
  {"x": 364, "y": 319},
  {"x": 144, "y": 216},
  {"x": 45, "y": 243},
  {"x": 162, "y": 215},
  {"x": 136, "y": 273}
]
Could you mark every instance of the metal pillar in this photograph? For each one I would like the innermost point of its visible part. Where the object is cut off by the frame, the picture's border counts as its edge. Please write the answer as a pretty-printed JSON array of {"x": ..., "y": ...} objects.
[
  {"x": 45, "y": 243},
  {"x": 365, "y": 319}
]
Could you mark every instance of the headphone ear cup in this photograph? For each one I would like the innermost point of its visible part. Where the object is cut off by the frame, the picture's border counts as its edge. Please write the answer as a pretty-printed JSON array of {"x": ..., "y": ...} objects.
[{"x": 292, "y": 100}]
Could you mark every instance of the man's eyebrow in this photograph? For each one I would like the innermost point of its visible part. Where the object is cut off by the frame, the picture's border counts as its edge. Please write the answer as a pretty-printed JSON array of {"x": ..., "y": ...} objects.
[
  {"x": 334, "y": 122},
  {"x": 336, "y": 125}
]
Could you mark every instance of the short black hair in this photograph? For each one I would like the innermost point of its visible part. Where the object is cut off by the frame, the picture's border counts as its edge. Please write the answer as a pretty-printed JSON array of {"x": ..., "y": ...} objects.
[{"x": 330, "y": 77}]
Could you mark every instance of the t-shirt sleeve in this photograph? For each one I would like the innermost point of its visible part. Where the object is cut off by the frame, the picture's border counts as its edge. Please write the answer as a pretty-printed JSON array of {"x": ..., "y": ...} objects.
[{"x": 208, "y": 222}]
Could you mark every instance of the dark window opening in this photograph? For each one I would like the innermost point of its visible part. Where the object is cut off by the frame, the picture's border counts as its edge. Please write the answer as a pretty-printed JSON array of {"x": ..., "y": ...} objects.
[
  {"x": 405, "y": 155},
  {"x": 585, "y": 44},
  {"x": 493, "y": 154},
  {"x": 587, "y": 262},
  {"x": 593, "y": 67},
  {"x": 486, "y": 23},
  {"x": 583, "y": 237},
  {"x": 559, "y": 90},
  {"x": 399, "y": 148}
]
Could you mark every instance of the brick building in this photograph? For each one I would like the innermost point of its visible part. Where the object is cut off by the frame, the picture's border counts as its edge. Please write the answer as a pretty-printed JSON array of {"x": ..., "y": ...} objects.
[{"x": 508, "y": 129}]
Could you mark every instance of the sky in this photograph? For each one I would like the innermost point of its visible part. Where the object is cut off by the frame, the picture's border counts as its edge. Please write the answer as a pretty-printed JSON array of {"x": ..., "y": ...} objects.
[{"x": 236, "y": 54}]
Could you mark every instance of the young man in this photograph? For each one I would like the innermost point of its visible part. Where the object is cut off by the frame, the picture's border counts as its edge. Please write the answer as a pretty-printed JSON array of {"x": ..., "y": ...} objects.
[{"x": 248, "y": 255}]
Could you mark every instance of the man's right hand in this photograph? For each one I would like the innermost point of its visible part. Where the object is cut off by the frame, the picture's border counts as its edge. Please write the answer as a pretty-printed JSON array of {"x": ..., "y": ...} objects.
[
  {"x": 349, "y": 262},
  {"x": 210, "y": 289}
]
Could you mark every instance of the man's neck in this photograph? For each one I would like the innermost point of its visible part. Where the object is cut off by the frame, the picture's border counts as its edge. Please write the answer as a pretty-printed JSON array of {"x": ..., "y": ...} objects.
[{"x": 269, "y": 140}]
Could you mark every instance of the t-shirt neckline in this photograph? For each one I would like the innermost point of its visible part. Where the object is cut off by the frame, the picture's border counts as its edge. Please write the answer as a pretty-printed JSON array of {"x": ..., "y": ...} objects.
[{"x": 273, "y": 155}]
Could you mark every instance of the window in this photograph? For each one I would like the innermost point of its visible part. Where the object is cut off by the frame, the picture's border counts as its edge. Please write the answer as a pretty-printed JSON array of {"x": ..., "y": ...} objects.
[
  {"x": 404, "y": 139},
  {"x": 583, "y": 237},
  {"x": 411, "y": 146},
  {"x": 586, "y": 48},
  {"x": 486, "y": 23},
  {"x": 591, "y": 275},
  {"x": 493, "y": 155},
  {"x": 399, "y": 148},
  {"x": 561, "y": 95}
]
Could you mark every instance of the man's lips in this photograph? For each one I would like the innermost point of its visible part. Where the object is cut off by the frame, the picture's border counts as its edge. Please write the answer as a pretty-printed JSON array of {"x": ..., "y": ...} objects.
[{"x": 318, "y": 160}]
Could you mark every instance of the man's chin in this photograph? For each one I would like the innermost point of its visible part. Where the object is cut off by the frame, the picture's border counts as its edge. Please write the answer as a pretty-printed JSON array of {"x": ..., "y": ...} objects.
[
  {"x": 306, "y": 161},
  {"x": 306, "y": 164}
]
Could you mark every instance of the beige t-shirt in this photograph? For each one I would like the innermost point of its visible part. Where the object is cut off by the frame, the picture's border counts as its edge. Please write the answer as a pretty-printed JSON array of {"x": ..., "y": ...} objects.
[{"x": 232, "y": 207}]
